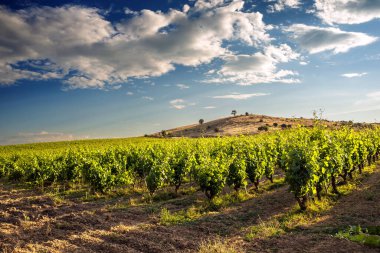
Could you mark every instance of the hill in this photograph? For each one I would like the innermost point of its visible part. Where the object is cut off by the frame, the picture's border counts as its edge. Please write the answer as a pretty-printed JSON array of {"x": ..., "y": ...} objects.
[{"x": 243, "y": 124}]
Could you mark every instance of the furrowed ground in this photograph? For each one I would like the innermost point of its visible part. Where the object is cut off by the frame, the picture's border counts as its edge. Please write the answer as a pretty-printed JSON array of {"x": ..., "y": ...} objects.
[
  {"x": 59, "y": 220},
  {"x": 312, "y": 189}
]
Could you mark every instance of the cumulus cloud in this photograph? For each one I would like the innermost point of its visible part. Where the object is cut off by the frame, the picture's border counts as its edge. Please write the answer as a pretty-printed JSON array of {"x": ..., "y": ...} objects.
[
  {"x": 260, "y": 67},
  {"x": 182, "y": 86},
  {"x": 43, "y": 136},
  {"x": 88, "y": 51},
  {"x": 281, "y": 5},
  {"x": 207, "y": 4},
  {"x": 209, "y": 107},
  {"x": 318, "y": 39},
  {"x": 347, "y": 11},
  {"x": 147, "y": 98},
  {"x": 352, "y": 75},
  {"x": 237, "y": 96}
]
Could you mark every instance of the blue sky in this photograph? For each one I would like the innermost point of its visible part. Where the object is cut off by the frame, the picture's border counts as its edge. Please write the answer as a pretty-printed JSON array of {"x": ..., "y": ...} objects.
[{"x": 97, "y": 69}]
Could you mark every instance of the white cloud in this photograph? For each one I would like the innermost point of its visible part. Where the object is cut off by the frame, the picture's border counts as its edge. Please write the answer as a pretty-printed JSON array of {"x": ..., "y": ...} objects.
[
  {"x": 238, "y": 96},
  {"x": 43, "y": 136},
  {"x": 180, "y": 103},
  {"x": 130, "y": 12},
  {"x": 182, "y": 86},
  {"x": 208, "y": 4},
  {"x": 88, "y": 51},
  {"x": 179, "y": 107},
  {"x": 352, "y": 75},
  {"x": 347, "y": 11},
  {"x": 186, "y": 8},
  {"x": 260, "y": 67},
  {"x": 147, "y": 98},
  {"x": 281, "y": 5},
  {"x": 209, "y": 107},
  {"x": 116, "y": 87},
  {"x": 129, "y": 93},
  {"x": 318, "y": 39}
]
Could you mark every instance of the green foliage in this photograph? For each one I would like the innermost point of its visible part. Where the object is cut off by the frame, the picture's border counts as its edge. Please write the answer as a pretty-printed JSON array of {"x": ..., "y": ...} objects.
[
  {"x": 237, "y": 172},
  {"x": 98, "y": 177},
  {"x": 157, "y": 175},
  {"x": 301, "y": 174},
  {"x": 360, "y": 235},
  {"x": 256, "y": 163},
  {"x": 183, "y": 216},
  {"x": 181, "y": 162},
  {"x": 312, "y": 159},
  {"x": 211, "y": 174}
]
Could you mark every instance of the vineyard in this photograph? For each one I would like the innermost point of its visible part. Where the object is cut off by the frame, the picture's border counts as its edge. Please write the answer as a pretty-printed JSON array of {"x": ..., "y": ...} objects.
[{"x": 313, "y": 162}]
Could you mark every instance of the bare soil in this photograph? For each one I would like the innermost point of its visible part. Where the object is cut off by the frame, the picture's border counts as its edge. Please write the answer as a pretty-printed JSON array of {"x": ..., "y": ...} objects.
[{"x": 31, "y": 221}]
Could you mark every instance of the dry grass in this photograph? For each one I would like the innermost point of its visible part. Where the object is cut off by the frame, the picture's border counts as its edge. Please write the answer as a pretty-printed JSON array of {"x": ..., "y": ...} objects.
[
  {"x": 218, "y": 245},
  {"x": 265, "y": 229},
  {"x": 239, "y": 125}
]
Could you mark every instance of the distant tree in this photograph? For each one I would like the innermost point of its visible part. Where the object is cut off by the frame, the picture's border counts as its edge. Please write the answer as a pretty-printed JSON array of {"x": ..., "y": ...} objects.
[
  {"x": 201, "y": 121},
  {"x": 275, "y": 124},
  {"x": 246, "y": 114},
  {"x": 263, "y": 128},
  {"x": 163, "y": 133},
  {"x": 234, "y": 112}
]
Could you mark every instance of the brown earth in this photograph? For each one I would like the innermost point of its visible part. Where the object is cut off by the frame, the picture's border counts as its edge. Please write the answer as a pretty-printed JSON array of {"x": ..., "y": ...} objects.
[
  {"x": 243, "y": 125},
  {"x": 31, "y": 221}
]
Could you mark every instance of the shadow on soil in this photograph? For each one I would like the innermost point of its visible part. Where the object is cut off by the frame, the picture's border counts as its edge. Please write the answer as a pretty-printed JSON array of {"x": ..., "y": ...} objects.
[{"x": 33, "y": 222}]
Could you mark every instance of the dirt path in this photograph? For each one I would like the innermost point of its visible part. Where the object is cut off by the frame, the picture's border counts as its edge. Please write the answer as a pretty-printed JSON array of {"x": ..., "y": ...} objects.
[{"x": 34, "y": 222}]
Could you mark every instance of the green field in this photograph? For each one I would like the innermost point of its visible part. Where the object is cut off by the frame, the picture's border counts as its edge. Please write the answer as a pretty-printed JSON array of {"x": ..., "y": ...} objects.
[
  {"x": 311, "y": 159},
  {"x": 273, "y": 191}
]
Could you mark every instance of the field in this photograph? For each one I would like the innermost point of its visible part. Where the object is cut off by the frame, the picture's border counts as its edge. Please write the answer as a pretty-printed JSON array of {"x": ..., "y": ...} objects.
[{"x": 284, "y": 191}]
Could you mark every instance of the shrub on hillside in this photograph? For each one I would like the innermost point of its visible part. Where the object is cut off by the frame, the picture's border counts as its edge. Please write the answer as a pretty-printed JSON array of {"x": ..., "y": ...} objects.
[{"x": 263, "y": 128}]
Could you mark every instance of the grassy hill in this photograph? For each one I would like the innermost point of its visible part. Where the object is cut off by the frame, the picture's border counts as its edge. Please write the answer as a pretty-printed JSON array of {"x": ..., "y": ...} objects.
[{"x": 245, "y": 124}]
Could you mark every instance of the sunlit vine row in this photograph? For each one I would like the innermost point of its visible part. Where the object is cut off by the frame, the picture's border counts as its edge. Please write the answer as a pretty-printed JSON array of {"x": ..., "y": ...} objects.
[{"x": 311, "y": 160}]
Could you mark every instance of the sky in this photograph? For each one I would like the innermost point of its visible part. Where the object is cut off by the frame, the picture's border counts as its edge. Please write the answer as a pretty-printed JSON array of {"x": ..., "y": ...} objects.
[{"x": 104, "y": 69}]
